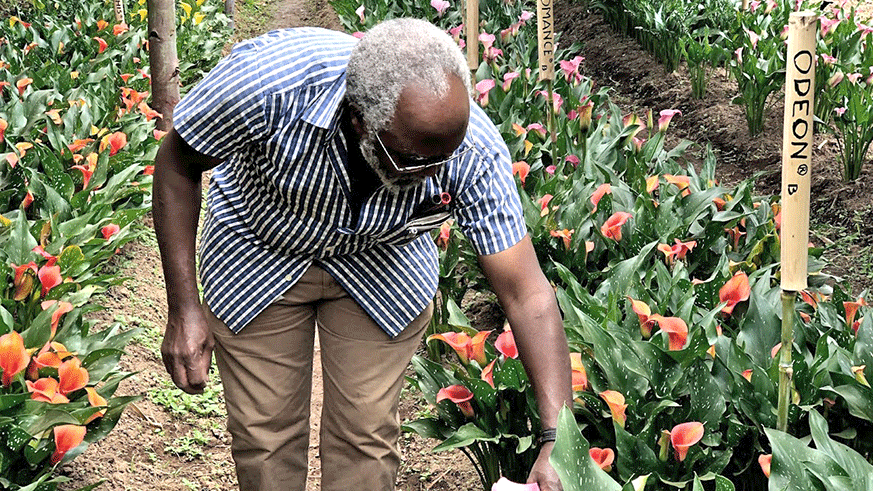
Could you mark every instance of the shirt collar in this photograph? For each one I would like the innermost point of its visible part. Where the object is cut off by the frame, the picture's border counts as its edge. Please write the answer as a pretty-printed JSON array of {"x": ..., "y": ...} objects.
[{"x": 324, "y": 110}]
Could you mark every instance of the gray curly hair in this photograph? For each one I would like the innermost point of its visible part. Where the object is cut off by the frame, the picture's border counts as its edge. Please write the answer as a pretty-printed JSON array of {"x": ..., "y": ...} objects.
[{"x": 394, "y": 54}]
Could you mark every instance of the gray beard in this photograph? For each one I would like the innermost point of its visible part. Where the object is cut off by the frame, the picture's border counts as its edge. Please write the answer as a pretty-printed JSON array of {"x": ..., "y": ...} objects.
[{"x": 394, "y": 184}]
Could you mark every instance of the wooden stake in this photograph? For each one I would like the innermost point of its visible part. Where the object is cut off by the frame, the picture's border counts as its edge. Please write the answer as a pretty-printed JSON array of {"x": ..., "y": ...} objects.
[
  {"x": 797, "y": 148},
  {"x": 796, "y": 171},
  {"x": 473, "y": 35},
  {"x": 745, "y": 6},
  {"x": 119, "y": 11},
  {"x": 546, "y": 51},
  {"x": 546, "y": 39}
]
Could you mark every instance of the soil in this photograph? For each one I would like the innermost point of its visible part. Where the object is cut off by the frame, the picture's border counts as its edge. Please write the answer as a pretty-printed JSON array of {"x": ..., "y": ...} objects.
[{"x": 155, "y": 448}]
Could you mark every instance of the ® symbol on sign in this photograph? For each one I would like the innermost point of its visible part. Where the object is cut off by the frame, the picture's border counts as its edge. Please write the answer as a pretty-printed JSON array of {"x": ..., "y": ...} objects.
[
  {"x": 802, "y": 169},
  {"x": 792, "y": 188}
]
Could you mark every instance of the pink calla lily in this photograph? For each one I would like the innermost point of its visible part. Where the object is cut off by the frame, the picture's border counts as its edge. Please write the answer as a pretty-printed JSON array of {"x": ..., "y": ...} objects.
[
  {"x": 599, "y": 193},
  {"x": 505, "y": 344},
  {"x": 736, "y": 290},
  {"x": 458, "y": 394},
  {"x": 603, "y": 457},
  {"x": 683, "y": 436}
]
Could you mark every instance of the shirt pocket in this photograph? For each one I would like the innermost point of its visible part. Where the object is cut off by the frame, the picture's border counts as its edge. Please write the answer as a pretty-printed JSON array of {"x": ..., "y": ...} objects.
[{"x": 414, "y": 227}]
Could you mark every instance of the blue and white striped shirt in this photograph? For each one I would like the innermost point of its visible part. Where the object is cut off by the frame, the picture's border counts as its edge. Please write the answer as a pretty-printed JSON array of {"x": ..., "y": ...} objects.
[{"x": 280, "y": 200}]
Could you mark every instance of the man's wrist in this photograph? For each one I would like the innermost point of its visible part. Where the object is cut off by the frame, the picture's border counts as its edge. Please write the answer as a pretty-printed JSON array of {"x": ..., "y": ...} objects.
[{"x": 547, "y": 435}]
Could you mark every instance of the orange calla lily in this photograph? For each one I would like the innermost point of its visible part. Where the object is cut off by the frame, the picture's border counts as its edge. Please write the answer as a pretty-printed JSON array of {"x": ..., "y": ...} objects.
[
  {"x": 115, "y": 141},
  {"x": 736, "y": 290},
  {"x": 764, "y": 460},
  {"x": 652, "y": 183},
  {"x": 683, "y": 436},
  {"x": 13, "y": 356},
  {"x": 22, "y": 84},
  {"x": 851, "y": 309},
  {"x": 615, "y": 401},
  {"x": 644, "y": 313},
  {"x": 466, "y": 347},
  {"x": 43, "y": 359},
  {"x": 67, "y": 437},
  {"x": 488, "y": 373},
  {"x": 565, "y": 235},
  {"x": 72, "y": 376},
  {"x": 442, "y": 240},
  {"x": 458, "y": 394},
  {"x": 603, "y": 457},
  {"x": 63, "y": 308},
  {"x": 676, "y": 329},
  {"x": 580, "y": 376},
  {"x": 522, "y": 169},
  {"x": 681, "y": 182},
  {"x": 46, "y": 390},
  {"x": 599, "y": 193},
  {"x": 50, "y": 277},
  {"x": 101, "y": 44},
  {"x": 611, "y": 229},
  {"x": 96, "y": 400}
]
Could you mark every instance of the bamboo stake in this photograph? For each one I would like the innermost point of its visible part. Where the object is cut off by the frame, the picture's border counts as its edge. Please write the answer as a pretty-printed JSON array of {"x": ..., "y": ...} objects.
[
  {"x": 546, "y": 51},
  {"x": 473, "y": 36},
  {"x": 796, "y": 170}
]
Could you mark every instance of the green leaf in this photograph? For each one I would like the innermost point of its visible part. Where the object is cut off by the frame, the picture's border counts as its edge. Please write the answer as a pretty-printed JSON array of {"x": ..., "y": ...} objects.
[
  {"x": 635, "y": 457},
  {"x": 510, "y": 374},
  {"x": 426, "y": 427},
  {"x": 464, "y": 437},
  {"x": 571, "y": 461},
  {"x": 21, "y": 242}
]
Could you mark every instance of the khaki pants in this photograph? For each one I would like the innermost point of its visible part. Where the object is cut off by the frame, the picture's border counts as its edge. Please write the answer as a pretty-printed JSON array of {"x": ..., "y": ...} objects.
[{"x": 266, "y": 370}]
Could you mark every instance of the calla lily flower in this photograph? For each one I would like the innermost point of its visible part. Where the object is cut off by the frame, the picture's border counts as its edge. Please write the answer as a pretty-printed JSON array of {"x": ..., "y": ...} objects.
[
  {"x": 13, "y": 357},
  {"x": 115, "y": 141},
  {"x": 50, "y": 277},
  {"x": 573, "y": 160},
  {"x": 571, "y": 70},
  {"x": 46, "y": 390},
  {"x": 683, "y": 436},
  {"x": 585, "y": 114},
  {"x": 537, "y": 128},
  {"x": 522, "y": 169},
  {"x": 565, "y": 235},
  {"x": 72, "y": 376},
  {"x": 148, "y": 112},
  {"x": 858, "y": 372},
  {"x": 119, "y": 29},
  {"x": 483, "y": 87},
  {"x": 505, "y": 484},
  {"x": 110, "y": 230},
  {"x": 101, "y": 44},
  {"x": 681, "y": 182},
  {"x": 617, "y": 406},
  {"x": 666, "y": 116},
  {"x": 458, "y": 394},
  {"x": 505, "y": 344},
  {"x": 676, "y": 329},
  {"x": 736, "y": 290},
  {"x": 44, "y": 359},
  {"x": 360, "y": 12},
  {"x": 445, "y": 234},
  {"x": 67, "y": 437},
  {"x": 96, "y": 400},
  {"x": 644, "y": 313},
  {"x": 101, "y": 24},
  {"x": 488, "y": 373},
  {"x": 23, "y": 282},
  {"x": 764, "y": 460},
  {"x": 507, "y": 80},
  {"x": 63, "y": 308},
  {"x": 544, "y": 204},
  {"x": 603, "y": 457},
  {"x": 851, "y": 309},
  {"x": 677, "y": 251},
  {"x": 3, "y": 125},
  {"x": 22, "y": 84},
  {"x": 611, "y": 229},
  {"x": 599, "y": 193},
  {"x": 580, "y": 376},
  {"x": 466, "y": 347}
]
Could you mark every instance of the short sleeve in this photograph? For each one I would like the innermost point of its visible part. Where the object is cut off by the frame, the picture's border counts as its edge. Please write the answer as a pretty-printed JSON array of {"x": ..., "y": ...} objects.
[
  {"x": 489, "y": 211},
  {"x": 225, "y": 111}
]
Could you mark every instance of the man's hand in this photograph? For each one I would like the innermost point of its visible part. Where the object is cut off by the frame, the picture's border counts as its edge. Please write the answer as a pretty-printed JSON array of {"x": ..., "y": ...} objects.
[
  {"x": 542, "y": 472},
  {"x": 187, "y": 350}
]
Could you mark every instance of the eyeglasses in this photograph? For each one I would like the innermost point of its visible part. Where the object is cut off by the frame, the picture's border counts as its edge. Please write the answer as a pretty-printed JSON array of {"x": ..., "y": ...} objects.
[{"x": 409, "y": 163}]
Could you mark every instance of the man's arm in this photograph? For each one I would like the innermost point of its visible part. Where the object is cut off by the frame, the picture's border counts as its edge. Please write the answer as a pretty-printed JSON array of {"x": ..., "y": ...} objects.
[
  {"x": 187, "y": 346},
  {"x": 532, "y": 310}
]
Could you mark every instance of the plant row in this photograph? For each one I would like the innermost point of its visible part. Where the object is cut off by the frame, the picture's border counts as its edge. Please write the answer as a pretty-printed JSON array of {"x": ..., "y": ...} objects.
[
  {"x": 668, "y": 284},
  {"x": 77, "y": 135},
  {"x": 751, "y": 44}
]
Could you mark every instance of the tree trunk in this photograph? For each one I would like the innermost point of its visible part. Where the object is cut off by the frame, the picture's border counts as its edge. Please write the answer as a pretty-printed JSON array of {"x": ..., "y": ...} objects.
[{"x": 163, "y": 60}]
